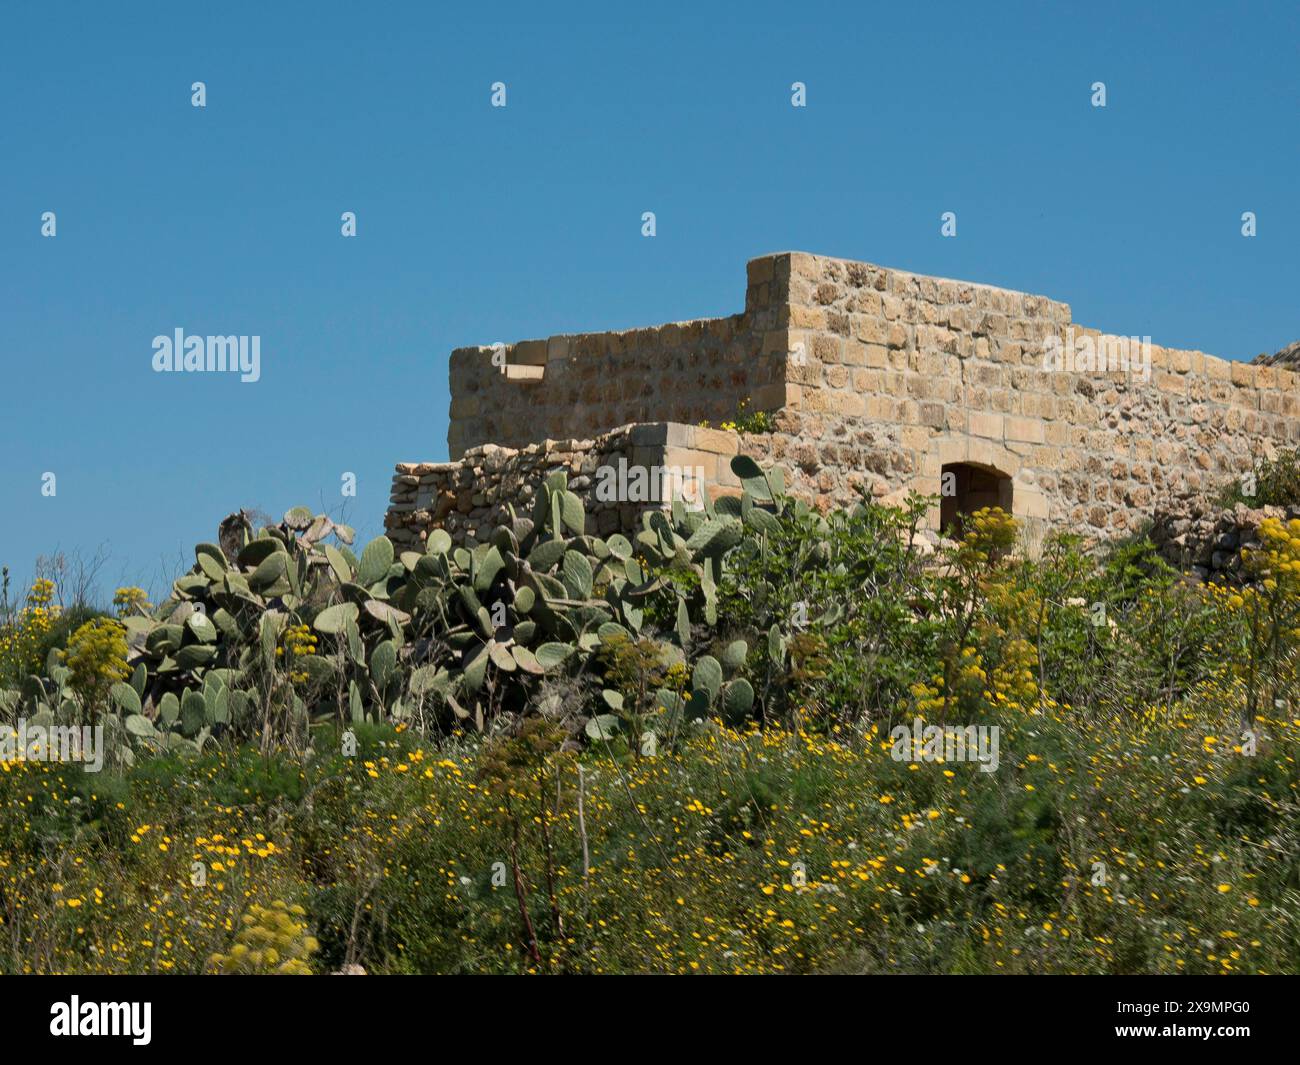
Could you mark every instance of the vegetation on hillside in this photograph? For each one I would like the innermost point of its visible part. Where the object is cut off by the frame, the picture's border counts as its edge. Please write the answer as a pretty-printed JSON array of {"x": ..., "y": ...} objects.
[{"x": 674, "y": 752}]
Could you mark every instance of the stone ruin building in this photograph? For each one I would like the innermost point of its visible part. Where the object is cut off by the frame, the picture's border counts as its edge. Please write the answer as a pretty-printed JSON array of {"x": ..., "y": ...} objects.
[{"x": 877, "y": 381}]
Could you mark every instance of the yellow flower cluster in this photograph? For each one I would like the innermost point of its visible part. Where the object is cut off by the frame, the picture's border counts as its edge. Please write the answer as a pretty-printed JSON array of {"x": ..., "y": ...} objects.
[
  {"x": 989, "y": 533},
  {"x": 272, "y": 942},
  {"x": 20, "y": 640},
  {"x": 131, "y": 600},
  {"x": 1278, "y": 560},
  {"x": 298, "y": 642},
  {"x": 746, "y": 421},
  {"x": 1013, "y": 678},
  {"x": 927, "y": 697},
  {"x": 96, "y": 654}
]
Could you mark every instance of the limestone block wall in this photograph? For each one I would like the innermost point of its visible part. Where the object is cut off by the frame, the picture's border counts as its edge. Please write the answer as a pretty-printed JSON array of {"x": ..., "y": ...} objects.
[
  {"x": 958, "y": 368},
  {"x": 880, "y": 378},
  {"x": 575, "y": 385}
]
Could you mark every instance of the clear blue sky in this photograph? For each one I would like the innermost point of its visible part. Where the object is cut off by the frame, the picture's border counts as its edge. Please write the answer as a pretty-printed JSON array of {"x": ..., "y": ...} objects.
[{"x": 479, "y": 224}]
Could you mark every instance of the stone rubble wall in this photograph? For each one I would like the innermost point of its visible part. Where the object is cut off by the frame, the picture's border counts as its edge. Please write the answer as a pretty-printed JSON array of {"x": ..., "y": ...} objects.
[
  {"x": 471, "y": 496},
  {"x": 1198, "y": 537}
]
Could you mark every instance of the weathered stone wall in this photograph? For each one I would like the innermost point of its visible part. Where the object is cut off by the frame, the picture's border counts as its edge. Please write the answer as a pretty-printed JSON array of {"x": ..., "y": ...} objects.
[
  {"x": 576, "y": 385},
  {"x": 1198, "y": 537},
  {"x": 959, "y": 368},
  {"x": 878, "y": 379},
  {"x": 469, "y": 497}
]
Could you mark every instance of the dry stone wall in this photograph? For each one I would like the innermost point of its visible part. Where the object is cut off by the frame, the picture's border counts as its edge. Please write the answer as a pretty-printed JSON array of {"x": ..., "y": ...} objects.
[
  {"x": 1198, "y": 537},
  {"x": 470, "y": 496},
  {"x": 878, "y": 380},
  {"x": 618, "y": 475}
]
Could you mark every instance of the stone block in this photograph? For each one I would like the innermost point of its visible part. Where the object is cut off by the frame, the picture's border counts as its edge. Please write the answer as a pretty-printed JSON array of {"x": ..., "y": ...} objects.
[
  {"x": 983, "y": 424},
  {"x": 718, "y": 441},
  {"x": 1028, "y": 430},
  {"x": 530, "y": 353},
  {"x": 557, "y": 348}
]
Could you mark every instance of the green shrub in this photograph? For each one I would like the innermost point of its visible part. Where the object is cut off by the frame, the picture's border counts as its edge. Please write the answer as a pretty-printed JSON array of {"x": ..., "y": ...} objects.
[{"x": 1276, "y": 483}]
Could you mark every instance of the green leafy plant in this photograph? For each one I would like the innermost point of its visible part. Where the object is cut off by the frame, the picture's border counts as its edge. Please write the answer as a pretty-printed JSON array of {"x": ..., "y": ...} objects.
[
  {"x": 1275, "y": 482},
  {"x": 746, "y": 420}
]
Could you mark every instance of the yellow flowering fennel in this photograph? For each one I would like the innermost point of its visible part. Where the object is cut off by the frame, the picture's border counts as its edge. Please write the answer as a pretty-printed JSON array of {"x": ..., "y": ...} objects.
[
  {"x": 131, "y": 600},
  {"x": 20, "y": 640},
  {"x": 272, "y": 941},
  {"x": 1269, "y": 611},
  {"x": 96, "y": 655}
]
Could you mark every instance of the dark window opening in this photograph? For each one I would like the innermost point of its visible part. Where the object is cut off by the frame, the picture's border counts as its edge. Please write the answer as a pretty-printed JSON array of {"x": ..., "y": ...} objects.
[{"x": 965, "y": 488}]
